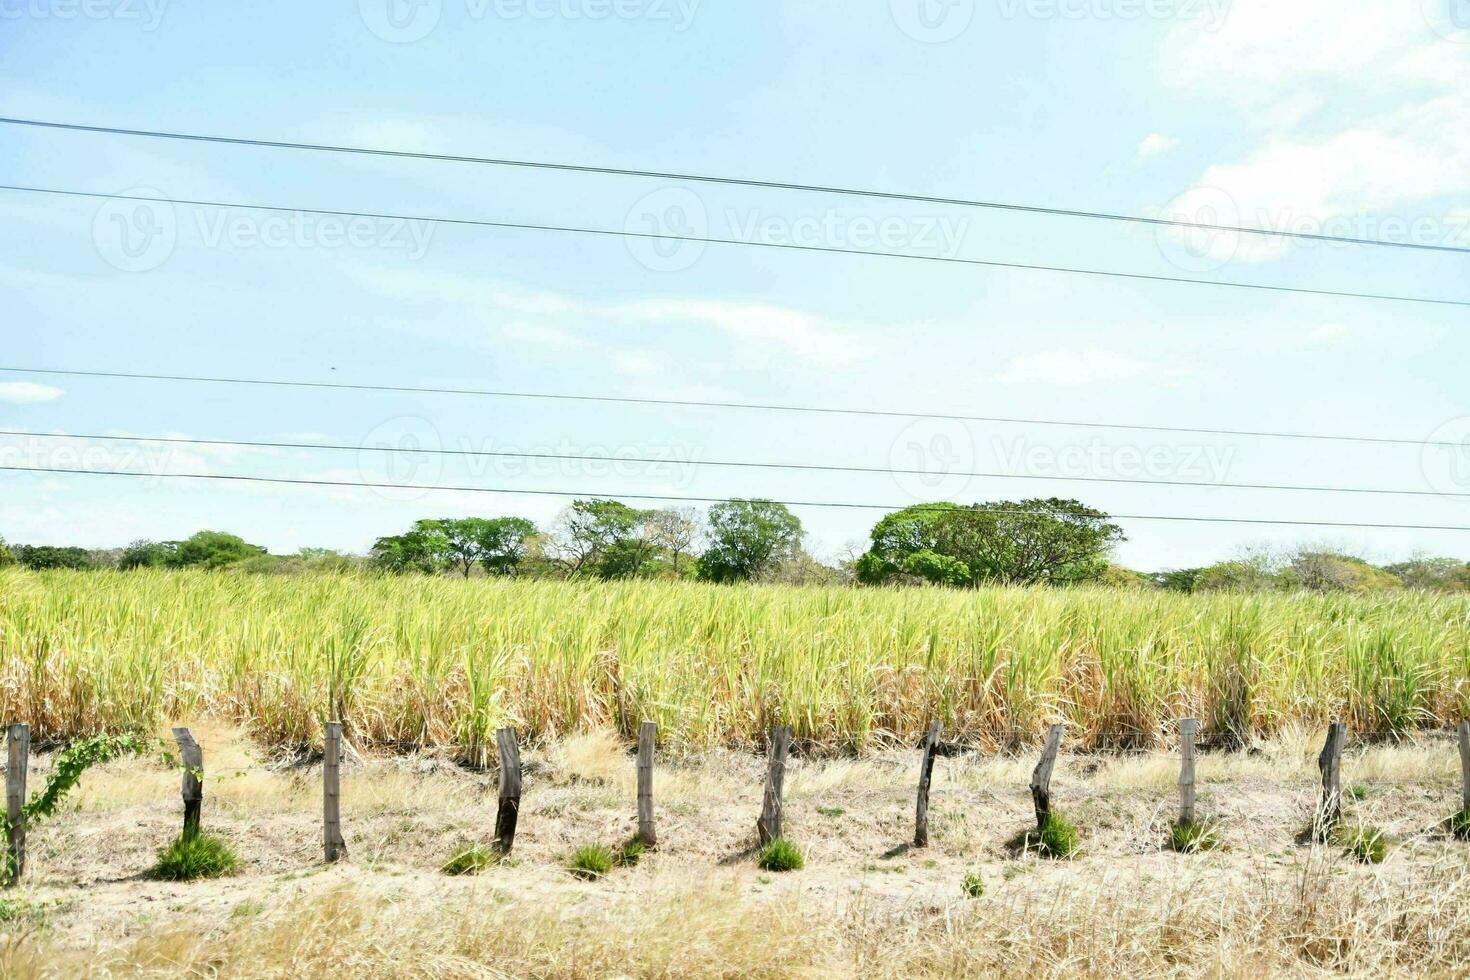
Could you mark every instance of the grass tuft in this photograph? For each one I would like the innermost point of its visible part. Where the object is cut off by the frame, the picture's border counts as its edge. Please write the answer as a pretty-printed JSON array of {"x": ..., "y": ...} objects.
[
  {"x": 973, "y": 885},
  {"x": 469, "y": 860},
  {"x": 1366, "y": 844},
  {"x": 1192, "y": 838},
  {"x": 780, "y": 855},
  {"x": 1460, "y": 824},
  {"x": 630, "y": 853},
  {"x": 192, "y": 856},
  {"x": 591, "y": 861},
  {"x": 1056, "y": 838}
]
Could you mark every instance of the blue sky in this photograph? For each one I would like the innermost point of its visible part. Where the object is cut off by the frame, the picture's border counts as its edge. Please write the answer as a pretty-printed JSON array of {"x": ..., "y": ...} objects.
[{"x": 1340, "y": 117}]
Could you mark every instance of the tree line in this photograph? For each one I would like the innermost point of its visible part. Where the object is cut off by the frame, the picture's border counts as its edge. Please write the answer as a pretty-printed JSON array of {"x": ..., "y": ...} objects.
[{"x": 1039, "y": 541}]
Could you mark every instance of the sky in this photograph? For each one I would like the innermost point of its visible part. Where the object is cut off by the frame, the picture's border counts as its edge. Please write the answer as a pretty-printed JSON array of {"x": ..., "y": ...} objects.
[{"x": 1344, "y": 118}]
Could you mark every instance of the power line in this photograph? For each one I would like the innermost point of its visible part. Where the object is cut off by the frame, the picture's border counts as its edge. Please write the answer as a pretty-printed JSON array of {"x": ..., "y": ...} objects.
[
  {"x": 847, "y": 505},
  {"x": 787, "y": 246},
  {"x": 734, "y": 182},
  {"x": 744, "y": 406},
  {"x": 737, "y": 464}
]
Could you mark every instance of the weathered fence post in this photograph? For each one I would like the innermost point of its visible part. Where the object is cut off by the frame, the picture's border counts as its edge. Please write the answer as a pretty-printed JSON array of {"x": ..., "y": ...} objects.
[
  {"x": 1465, "y": 761},
  {"x": 768, "y": 827},
  {"x": 1330, "y": 762},
  {"x": 1187, "y": 728},
  {"x": 334, "y": 848},
  {"x": 646, "y": 733},
  {"x": 17, "y": 759},
  {"x": 192, "y": 785},
  {"x": 926, "y": 773},
  {"x": 510, "y": 789},
  {"x": 1041, "y": 775}
]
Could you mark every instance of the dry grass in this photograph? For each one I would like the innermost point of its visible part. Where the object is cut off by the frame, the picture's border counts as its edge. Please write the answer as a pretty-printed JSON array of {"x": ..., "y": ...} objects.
[{"x": 864, "y": 904}]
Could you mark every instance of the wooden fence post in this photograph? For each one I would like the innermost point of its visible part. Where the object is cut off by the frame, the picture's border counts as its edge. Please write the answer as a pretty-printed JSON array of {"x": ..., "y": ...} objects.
[
  {"x": 510, "y": 789},
  {"x": 1187, "y": 729},
  {"x": 334, "y": 848},
  {"x": 1330, "y": 762},
  {"x": 1041, "y": 775},
  {"x": 18, "y": 758},
  {"x": 1465, "y": 761},
  {"x": 768, "y": 827},
  {"x": 926, "y": 773},
  {"x": 192, "y": 785},
  {"x": 646, "y": 733}
]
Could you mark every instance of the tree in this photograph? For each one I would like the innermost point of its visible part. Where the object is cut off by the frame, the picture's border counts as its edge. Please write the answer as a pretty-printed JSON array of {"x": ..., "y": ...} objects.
[
  {"x": 212, "y": 549},
  {"x": 1048, "y": 540},
  {"x": 44, "y": 557},
  {"x": 422, "y": 549},
  {"x": 1327, "y": 571},
  {"x": 148, "y": 554},
  {"x": 674, "y": 532},
  {"x": 497, "y": 544},
  {"x": 748, "y": 539},
  {"x": 1432, "y": 574},
  {"x": 6, "y": 558},
  {"x": 605, "y": 538}
]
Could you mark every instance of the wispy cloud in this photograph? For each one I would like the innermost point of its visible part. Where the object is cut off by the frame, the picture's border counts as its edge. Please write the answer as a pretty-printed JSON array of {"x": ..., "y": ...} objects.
[
  {"x": 1074, "y": 367},
  {"x": 27, "y": 393},
  {"x": 1155, "y": 143}
]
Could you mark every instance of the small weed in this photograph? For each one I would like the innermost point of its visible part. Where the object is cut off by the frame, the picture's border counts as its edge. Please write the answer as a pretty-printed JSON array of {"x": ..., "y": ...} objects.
[
  {"x": 1367, "y": 844},
  {"x": 194, "y": 855},
  {"x": 973, "y": 885},
  {"x": 591, "y": 861},
  {"x": 20, "y": 910},
  {"x": 1056, "y": 838},
  {"x": 1460, "y": 824},
  {"x": 470, "y": 860},
  {"x": 780, "y": 855},
  {"x": 831, "y": 811},
  {"x": 1358, "y": 792},
  {"x": 1192, "y": 838},
  {"x": 630, "y": 853}
]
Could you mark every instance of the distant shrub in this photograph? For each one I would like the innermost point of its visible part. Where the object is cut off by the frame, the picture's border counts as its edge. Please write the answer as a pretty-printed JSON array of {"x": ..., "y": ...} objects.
[
  {"x": 780, "y": 855},
  {"x": 470, "y": 860},
  {"x": 1191, "y": 838},
  {"x": 973, "y": 885},
  {"x": 591, "y": 861},
  {"x": 192, "y": 856}
]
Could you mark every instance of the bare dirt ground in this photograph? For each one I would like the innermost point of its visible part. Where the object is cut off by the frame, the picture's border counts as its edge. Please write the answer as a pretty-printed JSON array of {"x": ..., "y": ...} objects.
[{"x": 1270, "y": 901}]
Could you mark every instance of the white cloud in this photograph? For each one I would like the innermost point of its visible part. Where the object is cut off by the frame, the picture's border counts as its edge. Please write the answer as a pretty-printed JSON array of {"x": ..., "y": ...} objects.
[
  {"x": 1077, "y": 367},
  {"x": 26, "y": 393},
  {"x": 1327, "y": 332},
  {"x": 542, "y": 335},
  {"x": 811, "y": 338},
  {"x": 638, "y": 362},
  {"x": 1155, "y": 143}
]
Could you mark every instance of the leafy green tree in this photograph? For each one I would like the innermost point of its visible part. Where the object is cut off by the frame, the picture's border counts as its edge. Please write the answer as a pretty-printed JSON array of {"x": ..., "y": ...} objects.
[
  {"x": 1432, "y": 574},
  {"x": 748, "y": 539},
  {"x": 605, "y": 538},
  {"x": 44, "y": 557},
  {"x": 422, "y": 549},
  {"x": 497, "y": 544},
  {"x": 148, "y": 554},
  {"x": 212, "y": 549},
  {"x": 1048, "y": 540},
  {"x": 6, "y": 558}
]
